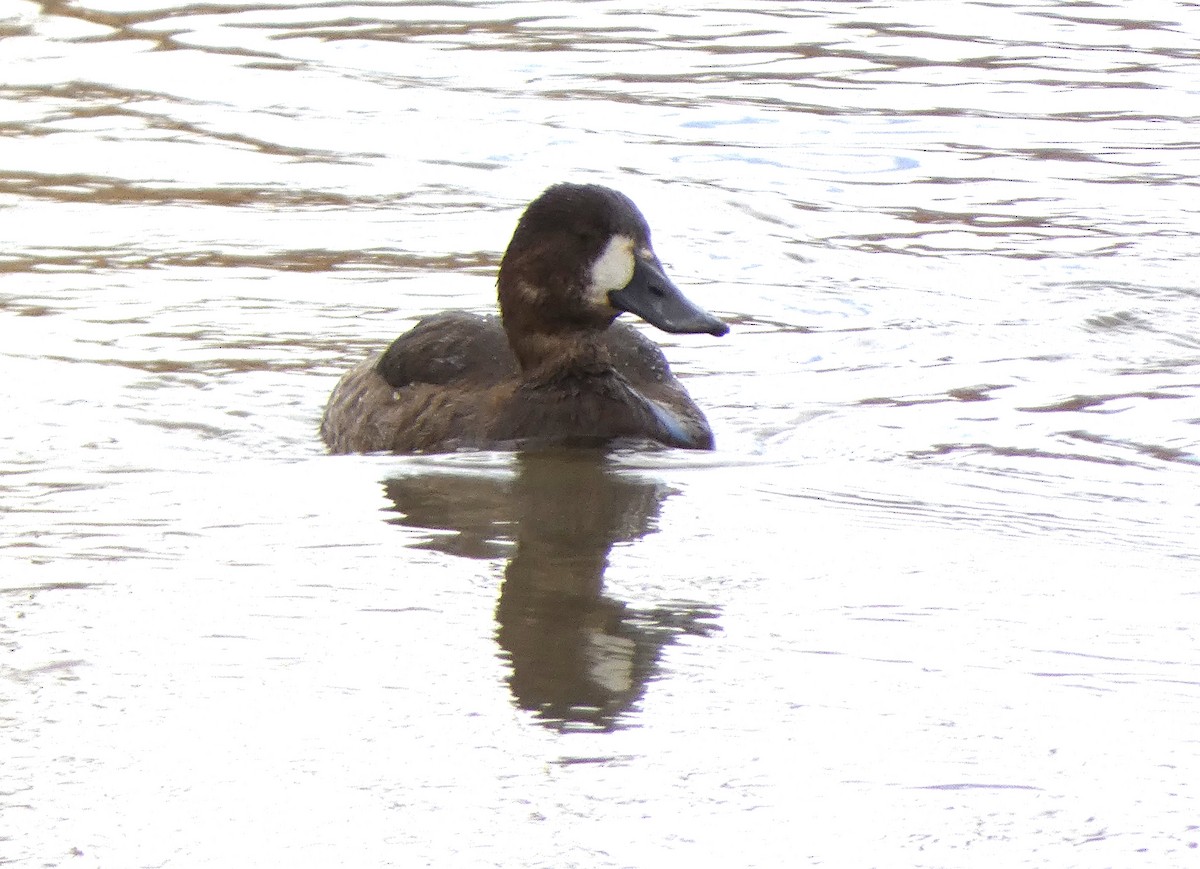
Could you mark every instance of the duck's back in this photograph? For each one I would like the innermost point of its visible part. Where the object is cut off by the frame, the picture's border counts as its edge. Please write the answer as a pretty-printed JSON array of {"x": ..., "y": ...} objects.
[
  {"x": 452, "y": 382},
  {"x": 454, "y": 348},
  {"x": 414, "y": 396}
]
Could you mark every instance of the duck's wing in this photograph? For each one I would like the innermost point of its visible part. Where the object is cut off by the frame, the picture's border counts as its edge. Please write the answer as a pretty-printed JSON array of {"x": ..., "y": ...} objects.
[
  {"x": 420, "y": 393},
  {"x": 454, "y": 348}
]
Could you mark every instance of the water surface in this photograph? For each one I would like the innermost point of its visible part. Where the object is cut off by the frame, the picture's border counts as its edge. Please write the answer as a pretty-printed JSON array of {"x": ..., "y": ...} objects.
[{"x": 929, "y": 604}]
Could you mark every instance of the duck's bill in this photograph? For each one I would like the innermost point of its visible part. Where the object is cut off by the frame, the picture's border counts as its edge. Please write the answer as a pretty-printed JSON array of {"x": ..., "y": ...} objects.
[{"x": 651, "y": 296}]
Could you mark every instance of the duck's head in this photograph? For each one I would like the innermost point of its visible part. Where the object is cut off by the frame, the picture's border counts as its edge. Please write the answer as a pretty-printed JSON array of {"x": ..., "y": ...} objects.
[{"x": 580, "y": 256}]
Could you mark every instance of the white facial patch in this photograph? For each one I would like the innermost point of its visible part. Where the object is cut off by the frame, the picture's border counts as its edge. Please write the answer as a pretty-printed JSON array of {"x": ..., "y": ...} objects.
[{"x": 613, "y": 269}]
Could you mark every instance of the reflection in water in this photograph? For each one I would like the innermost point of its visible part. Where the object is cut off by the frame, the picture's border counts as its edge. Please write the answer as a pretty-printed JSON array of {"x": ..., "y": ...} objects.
[{"x": 580, "y": 659}]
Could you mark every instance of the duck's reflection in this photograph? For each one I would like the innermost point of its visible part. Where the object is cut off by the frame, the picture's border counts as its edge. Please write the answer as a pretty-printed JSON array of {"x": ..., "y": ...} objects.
[{"x": 580, "y": 659}]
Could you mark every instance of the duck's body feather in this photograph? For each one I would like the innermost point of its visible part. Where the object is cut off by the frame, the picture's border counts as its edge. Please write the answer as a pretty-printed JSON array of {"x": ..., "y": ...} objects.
[
  {"x": 452, "y": 382},
  {"x": 554, "y": 369}
]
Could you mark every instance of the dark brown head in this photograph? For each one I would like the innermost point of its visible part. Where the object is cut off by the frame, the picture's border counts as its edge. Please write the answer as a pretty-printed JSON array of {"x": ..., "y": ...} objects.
[{"x": 580, "y": 256}]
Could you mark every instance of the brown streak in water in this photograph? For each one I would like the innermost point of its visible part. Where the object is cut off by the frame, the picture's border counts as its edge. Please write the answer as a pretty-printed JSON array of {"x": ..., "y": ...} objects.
[
  {"x": 837, "y": 110},
  {"x": 1116, "y": 23},
  {"x": 284, "y": 261},
  {"x": 208, "y": 366},
  {"x": 52, "y": 586},
  {"x": 881, "y": 243},
  {"x": 980, "y": 220},
  {"x": 164, "y": 122},
  {"x": 90, "y": 100},
  {"x": 1067, "y": 155},
  {"x": 1120, "y": 321},
  {"x": 401, "y": 31},
  {"x": 76, "y": 187},
  {"x": 124, "y": 24},
  {"x": 8, "y": 29},
  {"x": 1015, "y": 452},
  {"x": 1154, "y": 451},
  {"x": 976, "y": 393},
  {"x": 53, "y": 667},
  {"x": 1083, "y": 402},
  {"x": 962, "y": 394}
]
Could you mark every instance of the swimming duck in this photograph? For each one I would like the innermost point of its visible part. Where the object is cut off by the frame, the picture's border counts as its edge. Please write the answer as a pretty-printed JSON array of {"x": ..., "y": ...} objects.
[{"x": 554, "y": 368}]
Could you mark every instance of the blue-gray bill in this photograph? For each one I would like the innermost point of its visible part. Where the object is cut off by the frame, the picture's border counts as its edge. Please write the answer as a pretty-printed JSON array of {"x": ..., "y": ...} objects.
[{"x": 651, "y": 295}]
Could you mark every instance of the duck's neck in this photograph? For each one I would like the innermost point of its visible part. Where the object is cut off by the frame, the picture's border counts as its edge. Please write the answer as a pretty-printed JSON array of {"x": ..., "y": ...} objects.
[
  {"x": 579, "y": 348},
  {"x": 550, "y": 331}
]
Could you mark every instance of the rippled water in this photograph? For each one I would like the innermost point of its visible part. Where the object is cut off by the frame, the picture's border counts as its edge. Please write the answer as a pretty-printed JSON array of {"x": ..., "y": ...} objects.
[{"x": 930, "y": 604}]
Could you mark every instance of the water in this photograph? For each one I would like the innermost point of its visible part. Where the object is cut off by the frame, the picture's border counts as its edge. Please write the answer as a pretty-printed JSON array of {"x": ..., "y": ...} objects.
[{"x": 931, "y": 603}]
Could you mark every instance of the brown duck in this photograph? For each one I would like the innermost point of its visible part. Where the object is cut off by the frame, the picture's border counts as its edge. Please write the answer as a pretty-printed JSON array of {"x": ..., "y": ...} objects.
[{"x": 554, "y": 368}]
